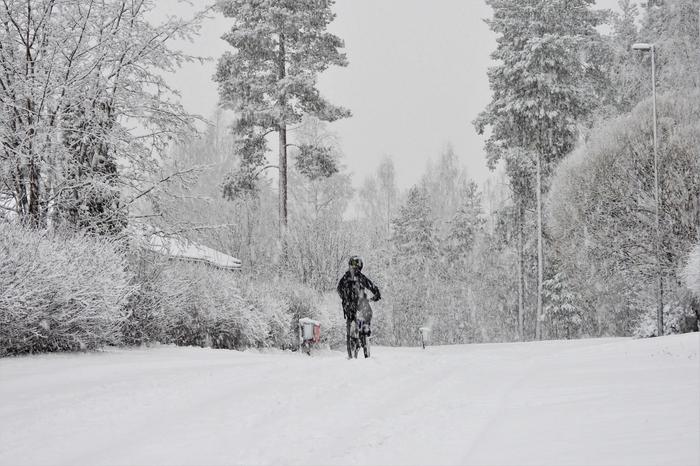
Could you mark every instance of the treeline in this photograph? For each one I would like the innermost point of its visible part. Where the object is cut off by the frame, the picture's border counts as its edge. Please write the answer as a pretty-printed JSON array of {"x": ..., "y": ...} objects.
[
  {"x": 571, "y": 247},
  {"x": 562, "y": 242},
  {"x": 91, "y": 135}
]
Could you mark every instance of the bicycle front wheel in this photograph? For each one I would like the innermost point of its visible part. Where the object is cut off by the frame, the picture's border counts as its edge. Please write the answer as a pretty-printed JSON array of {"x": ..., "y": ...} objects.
[{"x": 364, "y": 341}]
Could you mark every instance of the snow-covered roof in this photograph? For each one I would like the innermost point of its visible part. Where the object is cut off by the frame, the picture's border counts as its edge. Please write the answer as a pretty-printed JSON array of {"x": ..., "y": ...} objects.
[{"x": 190, "y": 251}]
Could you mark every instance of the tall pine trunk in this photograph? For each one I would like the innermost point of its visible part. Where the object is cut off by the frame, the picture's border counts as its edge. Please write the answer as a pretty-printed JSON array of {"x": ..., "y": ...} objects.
[
  {"x": 521, "y": 271},
  {"x": 282, "y": 72},
  {"x": 540, "y": 274},
  {"x": 283, "y": 179}
]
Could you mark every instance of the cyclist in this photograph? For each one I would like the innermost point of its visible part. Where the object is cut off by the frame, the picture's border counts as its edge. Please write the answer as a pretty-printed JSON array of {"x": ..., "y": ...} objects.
[{"x": 351, "y": 289}]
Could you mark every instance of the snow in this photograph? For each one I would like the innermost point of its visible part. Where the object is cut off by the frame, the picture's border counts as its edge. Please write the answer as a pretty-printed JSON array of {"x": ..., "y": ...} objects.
[{"x": 595, "y": 402}]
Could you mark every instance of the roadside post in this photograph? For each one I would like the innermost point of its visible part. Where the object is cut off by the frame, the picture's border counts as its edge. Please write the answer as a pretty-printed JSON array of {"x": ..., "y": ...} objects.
[{"x": 424, "y": 336}]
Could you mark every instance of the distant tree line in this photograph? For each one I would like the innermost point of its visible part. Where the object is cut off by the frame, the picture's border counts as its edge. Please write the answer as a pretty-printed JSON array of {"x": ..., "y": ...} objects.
[{"x": 97, "y": 154}]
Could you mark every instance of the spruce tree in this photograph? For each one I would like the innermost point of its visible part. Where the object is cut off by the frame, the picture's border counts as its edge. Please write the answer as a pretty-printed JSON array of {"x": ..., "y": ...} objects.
[
  {"x": 413, "y": 236},
  {"x": 465, "y": 224},
  {"x": 414, "y": 253}
]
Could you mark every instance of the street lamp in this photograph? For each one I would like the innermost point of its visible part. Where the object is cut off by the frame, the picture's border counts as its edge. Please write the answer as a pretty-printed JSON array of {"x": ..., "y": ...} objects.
[{"x": 660, "y": 290}]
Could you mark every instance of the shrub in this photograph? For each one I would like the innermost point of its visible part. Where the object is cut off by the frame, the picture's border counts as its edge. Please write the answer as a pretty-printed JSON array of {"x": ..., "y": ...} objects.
[
  {"x": 144, "y": 313},
  {"x": 194, "y": 304},
  {"x": 59, "y": 291},
  {"x": 284, "y": 301},
  {"x": 691, "y": 271},
  {"x": 679, "y": 317},
  {"x": 203, "y": 306}
]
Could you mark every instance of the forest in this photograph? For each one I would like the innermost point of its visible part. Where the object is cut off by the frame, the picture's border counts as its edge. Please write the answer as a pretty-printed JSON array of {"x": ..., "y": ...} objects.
[{"x": 588, "y": 225}]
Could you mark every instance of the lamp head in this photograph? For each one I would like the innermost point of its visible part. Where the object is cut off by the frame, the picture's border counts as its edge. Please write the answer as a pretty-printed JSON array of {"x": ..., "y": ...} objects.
[{"x": 642, "y": 46}]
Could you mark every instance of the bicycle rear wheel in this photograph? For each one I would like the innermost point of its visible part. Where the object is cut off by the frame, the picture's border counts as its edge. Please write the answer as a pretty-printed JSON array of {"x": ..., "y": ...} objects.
[
  {"x": 353, "y": 340},
  {"x": 364, "y": 341}
]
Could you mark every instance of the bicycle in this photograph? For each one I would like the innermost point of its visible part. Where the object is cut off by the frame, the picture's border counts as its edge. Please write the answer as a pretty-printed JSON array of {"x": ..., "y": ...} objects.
[
  {"x": 358, "y": 337},
  {"x": 359, "y": 329}
]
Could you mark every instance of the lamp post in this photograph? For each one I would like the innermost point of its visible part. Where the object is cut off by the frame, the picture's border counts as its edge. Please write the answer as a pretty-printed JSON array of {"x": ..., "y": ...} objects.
[{"x": 660, "y": 287}]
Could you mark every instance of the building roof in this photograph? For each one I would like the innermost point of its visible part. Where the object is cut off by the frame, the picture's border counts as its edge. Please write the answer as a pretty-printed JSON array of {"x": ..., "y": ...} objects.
[{"x": 190, "y": 251}]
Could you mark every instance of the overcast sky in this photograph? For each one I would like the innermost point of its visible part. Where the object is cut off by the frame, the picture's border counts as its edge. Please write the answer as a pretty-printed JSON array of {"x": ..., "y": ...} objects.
[{"x": 415, "y": 82}]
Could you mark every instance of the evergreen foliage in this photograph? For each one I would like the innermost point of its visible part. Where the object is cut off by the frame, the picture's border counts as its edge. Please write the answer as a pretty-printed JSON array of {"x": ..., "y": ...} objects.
[
  {"x": 541, "y": 84},
  {"x": 413, "y": 236},
  {"x": 269, "y": 79}
]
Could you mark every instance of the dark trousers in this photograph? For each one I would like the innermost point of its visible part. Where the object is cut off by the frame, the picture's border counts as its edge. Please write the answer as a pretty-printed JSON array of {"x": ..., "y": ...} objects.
[{"x": 348, "y": 340}]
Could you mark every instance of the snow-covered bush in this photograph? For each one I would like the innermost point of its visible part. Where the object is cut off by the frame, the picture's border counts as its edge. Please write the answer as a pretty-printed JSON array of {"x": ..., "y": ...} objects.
[
  {"x": 284, "y": 302},
  {"x": 59, "y": 291},
  {"x": 691, "y": 271},
  {"x": 600, "y": 213},
  {"x": 144, "y": 313},
  {"x": 682, "y": 314},
  {"x": 203, "y": 306},
  {"x": 330, "y": 314},
  {"x": 194, "y": 304},
  {"x": 679, "y": 317}
]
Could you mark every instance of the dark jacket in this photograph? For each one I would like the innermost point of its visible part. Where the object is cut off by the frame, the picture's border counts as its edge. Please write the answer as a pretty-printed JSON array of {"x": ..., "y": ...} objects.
[{"x": 352, "y": 292}]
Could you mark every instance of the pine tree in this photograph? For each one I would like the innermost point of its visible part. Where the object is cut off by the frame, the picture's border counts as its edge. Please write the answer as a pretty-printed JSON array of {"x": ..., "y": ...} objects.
[
  {"x": 413, "y": 236},
  {"x": 269, "y": 80},
  {"x": 465, "y": 225},
  {"x": 413, "y": 258},
  {"x": 561, "y": 307},
  {"x": 541, "y": 87},
  {"x": 628, "y": 78},
  {"x": 674, "y": 27}
]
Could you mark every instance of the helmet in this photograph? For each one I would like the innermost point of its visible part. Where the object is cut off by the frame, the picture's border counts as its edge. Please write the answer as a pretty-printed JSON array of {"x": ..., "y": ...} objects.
[{"x": 356, "y": 262}]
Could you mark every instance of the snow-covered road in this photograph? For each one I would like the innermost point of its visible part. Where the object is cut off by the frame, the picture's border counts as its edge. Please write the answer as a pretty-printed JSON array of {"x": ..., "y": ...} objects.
[{"x": 593, "y": 402}]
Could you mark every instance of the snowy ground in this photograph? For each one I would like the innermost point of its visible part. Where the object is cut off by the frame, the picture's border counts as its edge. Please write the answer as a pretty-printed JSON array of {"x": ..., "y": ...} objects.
[{"x": 594, "y": 402}]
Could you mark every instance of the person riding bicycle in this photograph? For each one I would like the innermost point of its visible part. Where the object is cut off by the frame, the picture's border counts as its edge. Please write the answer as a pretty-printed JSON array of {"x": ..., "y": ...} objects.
[{"x": 351, "y": 289}]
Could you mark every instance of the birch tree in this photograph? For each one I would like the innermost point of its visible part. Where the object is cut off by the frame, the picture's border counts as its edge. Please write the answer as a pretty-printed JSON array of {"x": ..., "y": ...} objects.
[
  {"x": 85, "y": 107},
  {"x": 602, "y": 210}
]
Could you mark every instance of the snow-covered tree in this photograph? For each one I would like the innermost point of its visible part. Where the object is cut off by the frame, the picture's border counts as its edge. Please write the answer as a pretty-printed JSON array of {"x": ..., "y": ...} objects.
[
  {"x": 413, "y": 256},
  {"x": 319, "y": 239},
  {"x": 413, "y": 235},
  {"x": 628, "y": 77},
  {"x": 445, "y": 183},
  {"x": 561, "y": 308},
  {"x": 377, "y": 203},
  {"x": 465, "y": 225},
  {"x": 602, "y": 209},
  {"x": 270, "y": 80},
  {"x": 85, "y": 108},
  {"x": 542, "y": 88},
  {"x": 386, "y": 177},
  {"x": 672, "y": 25},
  {"x": 194, "y": 208}
]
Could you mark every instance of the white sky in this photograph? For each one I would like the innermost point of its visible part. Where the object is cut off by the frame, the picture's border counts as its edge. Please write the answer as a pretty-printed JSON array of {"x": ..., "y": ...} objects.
[{"x": 416, "y": 80}]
